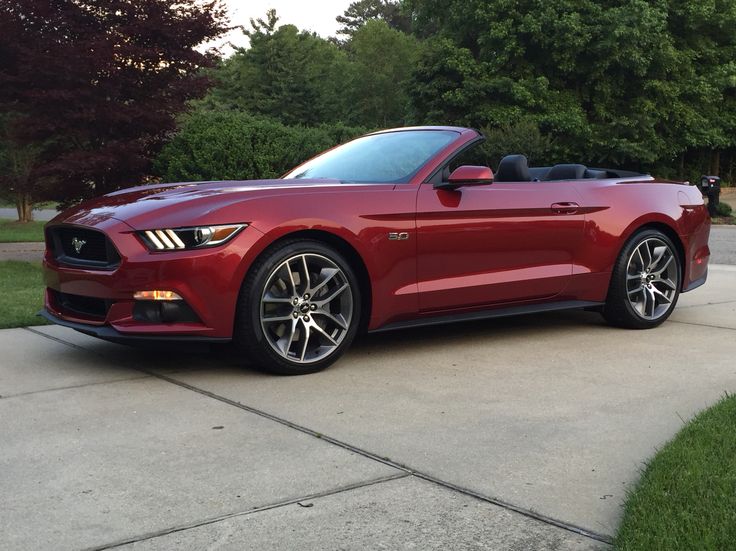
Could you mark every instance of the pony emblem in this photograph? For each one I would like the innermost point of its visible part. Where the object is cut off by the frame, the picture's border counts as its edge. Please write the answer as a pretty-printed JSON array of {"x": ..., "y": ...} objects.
[{"x": 78, "y": 244}]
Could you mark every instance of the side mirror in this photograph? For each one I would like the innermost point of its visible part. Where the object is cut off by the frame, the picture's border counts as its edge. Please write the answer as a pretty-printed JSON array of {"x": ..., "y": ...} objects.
[{"x": 467, "y": 175}]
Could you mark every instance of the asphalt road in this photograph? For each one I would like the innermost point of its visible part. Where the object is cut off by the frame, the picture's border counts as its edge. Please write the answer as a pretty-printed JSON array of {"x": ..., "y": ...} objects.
[
  {"x": 42, "y": 215},
  {"x": 523, "y": 433}
]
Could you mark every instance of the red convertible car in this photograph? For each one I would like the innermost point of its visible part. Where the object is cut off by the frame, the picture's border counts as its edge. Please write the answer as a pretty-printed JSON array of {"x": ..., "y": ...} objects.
[{"x": 390, "y": 230}]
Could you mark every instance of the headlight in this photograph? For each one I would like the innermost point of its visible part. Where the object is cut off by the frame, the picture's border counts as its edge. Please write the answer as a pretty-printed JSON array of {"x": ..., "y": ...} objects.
[{"x": 189, "y": 238}]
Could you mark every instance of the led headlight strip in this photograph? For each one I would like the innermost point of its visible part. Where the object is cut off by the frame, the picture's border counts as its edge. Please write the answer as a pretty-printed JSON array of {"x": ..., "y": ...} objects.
[
  {"x": 165, "y": 239},
  {"x": 171, "y": 239}
]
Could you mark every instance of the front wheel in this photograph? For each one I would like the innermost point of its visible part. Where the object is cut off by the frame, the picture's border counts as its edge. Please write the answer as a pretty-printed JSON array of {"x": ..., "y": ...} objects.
[
  {"x": 299, "y": 308},
  {"x": 645, "y": 283}
]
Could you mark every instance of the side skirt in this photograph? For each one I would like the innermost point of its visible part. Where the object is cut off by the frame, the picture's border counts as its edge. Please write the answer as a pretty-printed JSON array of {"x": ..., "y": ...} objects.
[{"x": 488, "y": 314}]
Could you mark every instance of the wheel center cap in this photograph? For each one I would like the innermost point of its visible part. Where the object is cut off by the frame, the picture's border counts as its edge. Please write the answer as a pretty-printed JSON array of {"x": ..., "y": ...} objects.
[{"x": 304, "y": 307}]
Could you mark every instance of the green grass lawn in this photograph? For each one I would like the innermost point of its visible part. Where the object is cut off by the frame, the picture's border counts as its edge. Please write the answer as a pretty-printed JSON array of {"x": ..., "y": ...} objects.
[
  {"x": 21, "y": 294},
  {"x": 686, "y": 498},
  {"x": 11, "y": 231},
  {"x": 10, "y": 205}
]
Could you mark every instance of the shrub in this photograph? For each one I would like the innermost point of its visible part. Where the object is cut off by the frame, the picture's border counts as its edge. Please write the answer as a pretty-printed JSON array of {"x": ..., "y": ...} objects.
[
  {"x": 723, "y": 209},
  {"x": 233, "y": 145},
  {"x": 523, "y": 137}
]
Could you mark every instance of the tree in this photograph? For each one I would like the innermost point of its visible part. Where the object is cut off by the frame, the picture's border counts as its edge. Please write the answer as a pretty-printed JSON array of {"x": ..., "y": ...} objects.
[
  {"x": 298, "y": 78},
  {"x": 99, "y": 83},
  {"x": 292, "y": 76},
  {"x": 381, "y": 61},
  {"x": 18, "y": 182},
  {"x": 362, "y": 11},
  {"x": 625, "y": 82}
]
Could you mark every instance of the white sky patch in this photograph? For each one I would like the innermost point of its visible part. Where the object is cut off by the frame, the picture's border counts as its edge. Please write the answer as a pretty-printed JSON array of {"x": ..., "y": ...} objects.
[{"x": 317, "y": 16}]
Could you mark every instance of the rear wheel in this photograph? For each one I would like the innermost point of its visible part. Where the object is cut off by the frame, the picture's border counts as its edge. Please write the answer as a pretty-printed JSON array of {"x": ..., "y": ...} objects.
[
  {"x": 299, "y": 308},
  {"x": 645, "y": 283}
]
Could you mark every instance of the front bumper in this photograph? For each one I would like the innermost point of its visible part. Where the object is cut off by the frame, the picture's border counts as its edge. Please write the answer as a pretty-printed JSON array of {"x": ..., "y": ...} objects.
[
  {"x": 109, "y": 334},
  {"x": 208, "y": 280}
]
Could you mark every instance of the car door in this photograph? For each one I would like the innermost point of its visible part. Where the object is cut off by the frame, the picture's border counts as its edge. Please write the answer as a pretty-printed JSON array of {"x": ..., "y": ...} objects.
[{"x": 496, "y": 243}]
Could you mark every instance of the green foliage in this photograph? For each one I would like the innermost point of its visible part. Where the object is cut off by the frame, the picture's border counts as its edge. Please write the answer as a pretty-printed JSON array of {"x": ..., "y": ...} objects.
[
  {"x": 381, "y": 62},
  {"x": 628, "y": 83},
  {"x": 232, "y": 145},
  {"x": 298, "y": 78},
  {"x": 285, "y": 74},
  {"x": 523, "y": 137},
  {"x": 685, "y": 498},
  {"x": 18, "y": 159},
  {"x": 723, "y": 209},
  {"x": 363, "y": 11},
  {"x": 21, "y": 294}
]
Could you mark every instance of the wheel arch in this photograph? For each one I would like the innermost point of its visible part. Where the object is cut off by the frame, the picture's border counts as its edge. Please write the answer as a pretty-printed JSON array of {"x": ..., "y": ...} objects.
[
  {"x": 346, "y": 249},
  {"x": 666, "y": 229}
]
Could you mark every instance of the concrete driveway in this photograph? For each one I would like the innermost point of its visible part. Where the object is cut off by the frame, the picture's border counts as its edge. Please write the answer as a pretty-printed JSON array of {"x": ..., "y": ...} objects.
[{"x": 524, "y": 433}]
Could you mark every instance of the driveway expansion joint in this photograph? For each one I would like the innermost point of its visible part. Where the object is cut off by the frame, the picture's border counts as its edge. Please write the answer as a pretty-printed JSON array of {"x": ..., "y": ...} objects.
[
  {"x": 703, "y": 325},
  {"x": 220, "y": 518},
  {"x": 73, "y": 387},
  {"x": 591, "y": 534}
]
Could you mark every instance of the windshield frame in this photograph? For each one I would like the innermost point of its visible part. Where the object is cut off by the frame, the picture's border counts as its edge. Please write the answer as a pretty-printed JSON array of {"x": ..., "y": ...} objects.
[{"x": 426, "y": 166}]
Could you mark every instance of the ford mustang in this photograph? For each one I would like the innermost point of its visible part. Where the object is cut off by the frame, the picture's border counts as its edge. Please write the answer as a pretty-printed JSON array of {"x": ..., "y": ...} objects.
[{"x": 391, "y": 230}]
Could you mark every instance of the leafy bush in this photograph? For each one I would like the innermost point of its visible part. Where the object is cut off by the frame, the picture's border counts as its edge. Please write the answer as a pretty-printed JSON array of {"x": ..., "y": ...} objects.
[
  {"x": 233, "y": 145},
  {"x": 723, "y": 209},
  {"x": 523, "y": 137}
]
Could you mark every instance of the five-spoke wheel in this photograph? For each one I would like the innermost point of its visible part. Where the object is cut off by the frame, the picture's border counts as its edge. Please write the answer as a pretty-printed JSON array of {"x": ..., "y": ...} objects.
[
  {"x": 299, "y": 308},
  {"x": 645, "y": 282}
]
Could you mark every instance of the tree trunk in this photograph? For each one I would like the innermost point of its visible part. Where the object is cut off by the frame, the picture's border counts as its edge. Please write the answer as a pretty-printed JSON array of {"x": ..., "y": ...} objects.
[{"x": 24, "y": 206}]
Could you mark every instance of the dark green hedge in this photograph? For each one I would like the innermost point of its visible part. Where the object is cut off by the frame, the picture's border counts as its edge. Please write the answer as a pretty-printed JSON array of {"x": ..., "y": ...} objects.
[{"x": 233, "y": 145}]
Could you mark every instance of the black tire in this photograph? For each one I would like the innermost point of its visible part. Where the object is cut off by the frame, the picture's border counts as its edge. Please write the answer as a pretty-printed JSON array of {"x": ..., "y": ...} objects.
[
  {"x": 627, "y": 280},
  {"x": 255, "y": 336}
]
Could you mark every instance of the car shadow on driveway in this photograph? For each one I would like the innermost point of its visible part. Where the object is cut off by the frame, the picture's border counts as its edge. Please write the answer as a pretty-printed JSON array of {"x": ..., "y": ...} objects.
[{"x": 182, "y": 357}]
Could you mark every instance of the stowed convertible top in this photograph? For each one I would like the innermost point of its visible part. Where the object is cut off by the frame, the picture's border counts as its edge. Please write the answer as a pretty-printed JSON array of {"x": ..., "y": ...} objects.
[{"x": 515, "y": 168}]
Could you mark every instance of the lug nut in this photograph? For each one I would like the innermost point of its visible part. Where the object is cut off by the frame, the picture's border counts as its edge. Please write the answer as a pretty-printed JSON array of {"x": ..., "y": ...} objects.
[
  {"x": 296, "y": 301},
  {"x": 306, "y": 318},
  {"x": 306, "y": 296},
  {"x": 296, "y": 315},
  {"x": 313, "y": 306}
]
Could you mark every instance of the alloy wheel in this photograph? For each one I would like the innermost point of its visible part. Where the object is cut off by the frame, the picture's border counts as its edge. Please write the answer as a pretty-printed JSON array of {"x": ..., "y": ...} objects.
[
  {"x": 652, "y": 278},
  {"x": 306, "y": 308}
]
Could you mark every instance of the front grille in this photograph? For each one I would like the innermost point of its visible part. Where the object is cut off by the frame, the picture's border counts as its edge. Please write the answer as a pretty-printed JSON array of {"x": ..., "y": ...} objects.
[
  {"x": 78, "y": 305},
  {"x": 82, "y": 247}
]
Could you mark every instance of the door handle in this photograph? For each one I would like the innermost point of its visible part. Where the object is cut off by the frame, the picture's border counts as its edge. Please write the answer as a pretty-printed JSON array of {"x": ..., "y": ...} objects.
[{"x": 564, "y": 208}]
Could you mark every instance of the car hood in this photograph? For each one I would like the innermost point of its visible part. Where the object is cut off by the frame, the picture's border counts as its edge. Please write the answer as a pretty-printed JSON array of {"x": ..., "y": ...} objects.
[{"x": 172, "y": 205}]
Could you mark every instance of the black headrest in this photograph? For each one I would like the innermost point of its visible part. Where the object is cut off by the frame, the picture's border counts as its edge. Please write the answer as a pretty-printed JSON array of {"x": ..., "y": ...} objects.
[
  {"x": 513, "y": 168},
  {"x": 596, "y": 173},
  {"x": 566, "y": 172}
]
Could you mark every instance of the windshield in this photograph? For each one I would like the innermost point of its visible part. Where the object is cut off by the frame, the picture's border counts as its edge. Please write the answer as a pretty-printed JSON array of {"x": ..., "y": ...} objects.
[{"x": 393, "y": 157}]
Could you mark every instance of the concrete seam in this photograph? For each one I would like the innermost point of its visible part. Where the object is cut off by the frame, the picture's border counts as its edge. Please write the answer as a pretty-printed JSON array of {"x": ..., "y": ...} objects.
[
  {"x": 220, "y": 518},
  {"x": 703, "y": 305},
  {"x": 703, "y": 325},
  {"x": 60, "y": 341},
  {"x": 359, "y": 451},
  {"x": 500, "y": 503},
  {"x": 72, "y": 387}
]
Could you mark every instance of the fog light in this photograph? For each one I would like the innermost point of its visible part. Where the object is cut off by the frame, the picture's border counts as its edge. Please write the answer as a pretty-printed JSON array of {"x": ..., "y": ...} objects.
[{"x": 156, "y": 295}]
